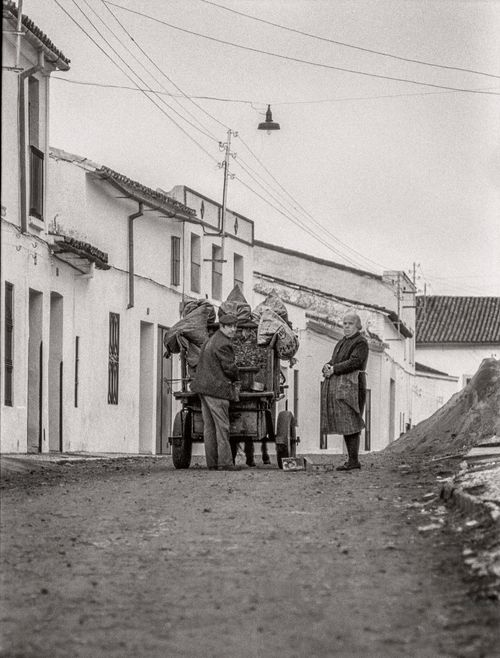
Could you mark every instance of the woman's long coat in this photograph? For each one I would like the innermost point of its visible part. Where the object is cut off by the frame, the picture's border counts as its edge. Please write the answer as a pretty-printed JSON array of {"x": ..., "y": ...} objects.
[{"x": 343, "y": 395}]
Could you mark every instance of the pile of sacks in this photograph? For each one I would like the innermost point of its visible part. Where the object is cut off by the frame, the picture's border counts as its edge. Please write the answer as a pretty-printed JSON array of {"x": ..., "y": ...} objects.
[{"x": 270, "y": 318}]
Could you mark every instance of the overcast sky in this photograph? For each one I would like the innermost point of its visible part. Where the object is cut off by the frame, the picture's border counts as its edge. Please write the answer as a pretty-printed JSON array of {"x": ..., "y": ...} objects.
[{"x": 372, "y": 172}]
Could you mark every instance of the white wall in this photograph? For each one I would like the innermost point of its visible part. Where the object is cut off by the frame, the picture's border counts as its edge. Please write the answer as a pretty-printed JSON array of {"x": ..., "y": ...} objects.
[
  {"x": 455, "y": 360},
  {"x": 430, "y": 393}
]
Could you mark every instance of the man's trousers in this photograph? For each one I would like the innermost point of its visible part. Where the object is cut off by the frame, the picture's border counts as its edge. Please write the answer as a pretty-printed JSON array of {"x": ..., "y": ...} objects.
[{"x": 215, "y": 413}]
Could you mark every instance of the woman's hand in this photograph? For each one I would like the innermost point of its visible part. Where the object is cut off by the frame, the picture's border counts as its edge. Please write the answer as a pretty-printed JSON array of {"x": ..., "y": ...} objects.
[{"x": 327, "y": 370}]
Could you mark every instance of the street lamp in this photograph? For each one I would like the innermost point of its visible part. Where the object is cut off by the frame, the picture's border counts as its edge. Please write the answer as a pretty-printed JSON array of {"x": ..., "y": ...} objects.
[{"x": 268, "y": 124}]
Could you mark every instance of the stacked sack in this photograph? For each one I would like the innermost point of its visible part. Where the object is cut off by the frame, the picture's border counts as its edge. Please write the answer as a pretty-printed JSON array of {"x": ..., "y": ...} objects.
[
  {"x": 237, "y": 305},
  {"x": 272, "y": 318},
  {"x": 191, "y": 331}
]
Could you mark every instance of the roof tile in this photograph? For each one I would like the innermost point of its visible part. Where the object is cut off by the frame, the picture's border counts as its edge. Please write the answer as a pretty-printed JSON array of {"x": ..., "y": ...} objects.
[{"x": 448, "y": 319}]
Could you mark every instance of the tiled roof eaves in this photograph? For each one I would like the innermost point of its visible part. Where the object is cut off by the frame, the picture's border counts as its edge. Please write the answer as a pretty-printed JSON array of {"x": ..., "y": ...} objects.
[
  {"x": 393, "y": 317},
  {"x": 458, "y": 320},
  {"x": 9, "y": 5},
  {"x": 157, "y": 198},
  {"x": 315, "y": 259}
]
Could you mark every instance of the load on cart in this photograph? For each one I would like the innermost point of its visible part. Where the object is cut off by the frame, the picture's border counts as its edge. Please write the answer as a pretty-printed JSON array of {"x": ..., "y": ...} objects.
[{"x": 264, "y": 337}]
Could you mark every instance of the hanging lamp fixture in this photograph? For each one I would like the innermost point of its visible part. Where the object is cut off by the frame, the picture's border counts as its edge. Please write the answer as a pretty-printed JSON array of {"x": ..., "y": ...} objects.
[{"x": 268, "y": 124}]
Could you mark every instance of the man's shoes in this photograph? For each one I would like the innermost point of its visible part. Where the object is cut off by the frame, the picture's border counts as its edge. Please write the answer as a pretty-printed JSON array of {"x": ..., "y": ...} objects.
[
  {"x": 349, "y": 466},
  {"x": 251, "y": 463},
  {"x": 266, "y": 461}
]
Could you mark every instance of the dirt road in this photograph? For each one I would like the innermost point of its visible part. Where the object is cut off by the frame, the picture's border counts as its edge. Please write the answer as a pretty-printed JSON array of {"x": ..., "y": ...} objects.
[{"x": 135, "y": 559}]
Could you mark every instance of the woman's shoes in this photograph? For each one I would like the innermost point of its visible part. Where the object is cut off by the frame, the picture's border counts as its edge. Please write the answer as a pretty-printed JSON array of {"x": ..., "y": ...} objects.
[{"x": 349, "y": 466}]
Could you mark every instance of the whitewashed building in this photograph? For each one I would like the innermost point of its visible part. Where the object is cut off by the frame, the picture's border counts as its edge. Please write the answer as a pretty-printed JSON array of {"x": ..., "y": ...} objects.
[
  {"x": 432, "y": 388},
  {"x": 317, "y": 293},
  {"x": 454, "y": 334},
  {"x": 28, "y": 59}
]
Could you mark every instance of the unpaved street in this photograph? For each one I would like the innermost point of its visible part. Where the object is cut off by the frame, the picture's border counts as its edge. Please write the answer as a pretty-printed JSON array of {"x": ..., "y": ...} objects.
[{"x": 135, "y": 559}]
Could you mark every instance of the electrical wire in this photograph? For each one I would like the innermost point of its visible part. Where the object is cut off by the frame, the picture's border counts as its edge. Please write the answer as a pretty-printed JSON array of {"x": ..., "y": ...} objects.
[
  {"x": 133, "y": 81},
  {"x": 284, "y": 214},
  {"x": 252, "y": 102},
  {"x": 202, "y": 130},
  {"x": 349, "y": 45},
  {"x": 318, "y": 224},
  {"x": 301, "y": 61},
  {"x": 345, "y": 245},
  {"x": 160, "y": 70}
]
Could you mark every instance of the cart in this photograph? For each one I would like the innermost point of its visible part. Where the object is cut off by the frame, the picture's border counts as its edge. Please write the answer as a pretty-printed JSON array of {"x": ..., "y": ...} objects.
[{"x": 252, "y": 417}]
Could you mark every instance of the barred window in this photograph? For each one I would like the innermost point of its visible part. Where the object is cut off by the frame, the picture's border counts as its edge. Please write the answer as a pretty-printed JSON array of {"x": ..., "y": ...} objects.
[
  {"x": 114, "y": 353},
  {"x": 175, "y": 265},
  {"x": 9, "y": 343}
]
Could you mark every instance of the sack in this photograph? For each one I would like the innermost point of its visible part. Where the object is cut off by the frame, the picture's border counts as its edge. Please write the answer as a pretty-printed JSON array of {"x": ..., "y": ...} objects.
[
  {"x": 190, "y": 329},
  {"x": 193, "y": 304},
  {"x": 270, "y": 325},
  {"x": 237, "y": 305},
  {"x": 273, "y": 302}
]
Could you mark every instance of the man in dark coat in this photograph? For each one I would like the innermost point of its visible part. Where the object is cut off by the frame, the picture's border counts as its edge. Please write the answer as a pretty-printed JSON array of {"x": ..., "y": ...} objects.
[
  {"x": 344, "y": 389},
  {"x": 216, "y": 375}
]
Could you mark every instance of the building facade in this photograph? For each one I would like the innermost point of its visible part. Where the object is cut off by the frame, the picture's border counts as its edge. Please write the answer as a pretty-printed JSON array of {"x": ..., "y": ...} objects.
[
  {"x": 317, "y": 294},
  {"x": 454, "y": 334}
]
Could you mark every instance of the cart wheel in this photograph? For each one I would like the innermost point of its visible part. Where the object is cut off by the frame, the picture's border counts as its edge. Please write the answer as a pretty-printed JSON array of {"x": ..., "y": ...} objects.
[
  {"x": 181, "y": 440},
  {"x": 286, "y": 439}
]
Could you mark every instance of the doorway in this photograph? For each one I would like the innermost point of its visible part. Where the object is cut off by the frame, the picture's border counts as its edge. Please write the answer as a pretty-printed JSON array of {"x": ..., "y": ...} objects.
[
  {"x": 56, "y": 373},
  {"x": 392, "y": 409},
  {"x": 163, "y": 398},
  {"x": 35, "y": 372},
  {"x": 146, "y": 388}
]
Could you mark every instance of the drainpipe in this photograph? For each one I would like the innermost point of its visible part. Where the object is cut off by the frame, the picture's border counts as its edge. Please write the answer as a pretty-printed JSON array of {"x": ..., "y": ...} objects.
[
  {"x": 131, "y": 218},
  {"x": 22, "y": 137},
  {"x": 18, "y": 30}
]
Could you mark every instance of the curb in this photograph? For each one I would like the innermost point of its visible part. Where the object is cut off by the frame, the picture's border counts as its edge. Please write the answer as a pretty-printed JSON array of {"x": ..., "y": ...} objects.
[{"x": 467, "y": 503}]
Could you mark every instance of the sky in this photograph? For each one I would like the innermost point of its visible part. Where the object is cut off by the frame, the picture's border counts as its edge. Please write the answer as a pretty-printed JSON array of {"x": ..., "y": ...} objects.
[{"x": 372, "y": 172}]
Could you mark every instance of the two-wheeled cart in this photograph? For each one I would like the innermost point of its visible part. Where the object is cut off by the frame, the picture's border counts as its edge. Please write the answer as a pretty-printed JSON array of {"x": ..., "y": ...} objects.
[{"x": 253, "y": 417}]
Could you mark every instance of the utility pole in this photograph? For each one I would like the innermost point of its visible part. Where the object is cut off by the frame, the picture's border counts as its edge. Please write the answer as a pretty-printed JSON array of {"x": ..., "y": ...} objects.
[{"x": 225, "y": 146}]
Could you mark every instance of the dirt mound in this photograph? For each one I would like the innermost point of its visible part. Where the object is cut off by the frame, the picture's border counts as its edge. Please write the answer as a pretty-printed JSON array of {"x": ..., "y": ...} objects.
[{"x": 470, "y": 416}]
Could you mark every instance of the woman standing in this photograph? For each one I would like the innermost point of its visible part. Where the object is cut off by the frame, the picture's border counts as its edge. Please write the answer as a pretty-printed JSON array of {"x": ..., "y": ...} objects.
[{"x": 343, "y": 391}]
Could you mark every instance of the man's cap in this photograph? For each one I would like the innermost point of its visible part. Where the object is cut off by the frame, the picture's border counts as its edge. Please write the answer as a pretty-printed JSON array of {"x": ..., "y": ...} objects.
[{"x": 228, "y": 318}]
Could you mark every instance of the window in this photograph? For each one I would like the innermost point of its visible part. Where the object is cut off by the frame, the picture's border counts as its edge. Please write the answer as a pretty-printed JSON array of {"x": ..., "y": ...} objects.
[
  {"x": 36, "y": 155},
  {"x": 238, "y": 271},
  {"x": 77, "y": 367},
  {"x": 175, "y": 271},
  {"x": 216, "y": 272},
  {"x": 114, "y": 354},
  {"x": 9, "y": 334},
  {"x": 36, "y": 183},
  {"x": 195, "y": 262}
]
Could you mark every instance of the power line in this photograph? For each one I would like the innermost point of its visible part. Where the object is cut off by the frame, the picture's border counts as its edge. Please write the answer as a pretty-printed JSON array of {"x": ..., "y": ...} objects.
[
  {"x": 161, "y": 70},
  {"x": 252, "y": 102},
  {"x": 304, "y": 210},
  {"x": 133, "y": 81},
  {"x": 302, "y": 61},
  {"x": 202, "y": 130},
  {"x": 321, "y": 227},
  {"x": 350, "y": 45}
]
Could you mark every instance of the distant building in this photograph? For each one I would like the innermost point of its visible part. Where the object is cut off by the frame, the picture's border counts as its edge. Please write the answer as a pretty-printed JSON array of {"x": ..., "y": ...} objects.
[
  {"x": 317, "y": 293},
  {"x": 431, "y": 389},
  {"x": 454, "y": 334}
]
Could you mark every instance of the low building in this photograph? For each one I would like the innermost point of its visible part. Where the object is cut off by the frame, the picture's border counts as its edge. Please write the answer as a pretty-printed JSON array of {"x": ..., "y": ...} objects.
[
  {"x": 431, "y": 389},
  {"x": 317, "y": 293},
  {"x": 454, "y": 334}
]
